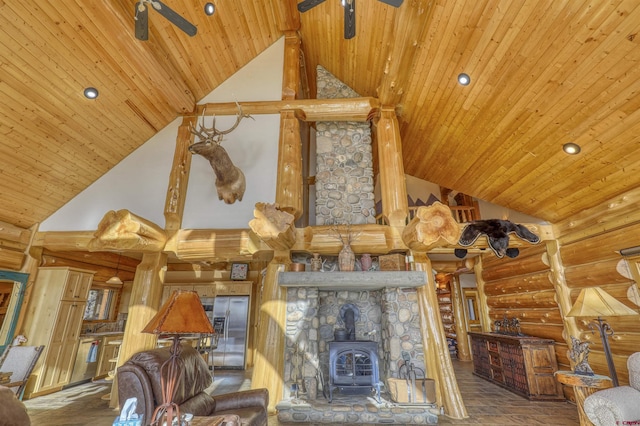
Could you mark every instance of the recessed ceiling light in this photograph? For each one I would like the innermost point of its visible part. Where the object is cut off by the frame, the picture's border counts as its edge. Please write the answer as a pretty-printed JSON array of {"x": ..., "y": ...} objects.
[
  {"x": 464, "y": 79},
  {"x": 209, "y": 9},
  {"x": 571, "y": 148},
  {"x": 90, "y": 93}
]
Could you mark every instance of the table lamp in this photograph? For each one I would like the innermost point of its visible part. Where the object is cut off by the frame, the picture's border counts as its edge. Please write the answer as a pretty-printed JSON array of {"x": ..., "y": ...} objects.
[
  {"x": 181, "y": 314},
  {"x": 595, "y": 302}
]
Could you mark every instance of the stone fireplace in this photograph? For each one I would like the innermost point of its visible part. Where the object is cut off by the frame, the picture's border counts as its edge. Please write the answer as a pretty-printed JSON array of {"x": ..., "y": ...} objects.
[
  {"x": 387, "y": 321},
  {"x": 387, "y": 317}
]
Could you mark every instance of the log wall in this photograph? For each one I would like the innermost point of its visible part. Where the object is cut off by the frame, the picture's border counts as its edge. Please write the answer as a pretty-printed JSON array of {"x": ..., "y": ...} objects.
[
  {"x": 523, "y": 288},
  {"x": 589, "y": 247},
  {"x": 540, "y": 286}
]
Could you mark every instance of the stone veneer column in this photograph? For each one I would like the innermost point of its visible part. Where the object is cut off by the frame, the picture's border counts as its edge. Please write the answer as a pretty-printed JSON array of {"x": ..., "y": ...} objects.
[{"x": 344, "y": 163}]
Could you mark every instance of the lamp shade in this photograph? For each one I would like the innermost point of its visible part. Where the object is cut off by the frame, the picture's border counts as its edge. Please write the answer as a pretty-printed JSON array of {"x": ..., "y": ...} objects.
[
  {"x": 595, "y": 302},
  {"x": 182, "y": 313}
]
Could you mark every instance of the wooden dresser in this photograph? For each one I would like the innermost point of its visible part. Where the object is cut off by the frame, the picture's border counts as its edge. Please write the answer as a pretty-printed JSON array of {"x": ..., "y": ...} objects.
[{"x": 524, "y": 365}]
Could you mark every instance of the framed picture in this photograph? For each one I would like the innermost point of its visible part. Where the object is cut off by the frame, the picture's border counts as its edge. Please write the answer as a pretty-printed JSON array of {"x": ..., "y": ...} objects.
[{"x": 239, "y": 271}]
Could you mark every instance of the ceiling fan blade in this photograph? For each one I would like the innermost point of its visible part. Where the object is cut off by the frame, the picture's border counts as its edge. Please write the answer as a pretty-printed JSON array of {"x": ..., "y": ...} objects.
[
  {"x": 350, "y": 19},
  {"x": 142, "y": 22},
  {"x": 176, "y": 19},
  {"x": 308, "y": 4},
  {"x": 394, "y": 3}
]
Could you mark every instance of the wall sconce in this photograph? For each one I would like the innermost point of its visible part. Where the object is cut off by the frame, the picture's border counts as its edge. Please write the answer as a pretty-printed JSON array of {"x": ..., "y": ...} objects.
[{"x": 595, "y": 302}]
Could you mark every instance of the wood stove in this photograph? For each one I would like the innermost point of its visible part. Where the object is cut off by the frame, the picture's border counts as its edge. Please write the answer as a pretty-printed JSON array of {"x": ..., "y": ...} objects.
[{"x": 353, "y": 368}]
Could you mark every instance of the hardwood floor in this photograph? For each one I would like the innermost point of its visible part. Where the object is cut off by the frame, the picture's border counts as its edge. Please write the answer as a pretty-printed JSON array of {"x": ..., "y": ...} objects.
[{"x": 487, "y": 404}]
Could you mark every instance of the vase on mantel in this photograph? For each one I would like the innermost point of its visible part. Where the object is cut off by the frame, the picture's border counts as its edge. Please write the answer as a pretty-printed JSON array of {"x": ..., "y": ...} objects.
[
  {"x": 346, "y": 258},
  {"x": 366, "y": 262}
]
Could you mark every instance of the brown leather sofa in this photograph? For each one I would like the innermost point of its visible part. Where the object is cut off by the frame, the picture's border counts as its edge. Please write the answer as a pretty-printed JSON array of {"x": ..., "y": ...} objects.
[{"x": 140, "y": 377}]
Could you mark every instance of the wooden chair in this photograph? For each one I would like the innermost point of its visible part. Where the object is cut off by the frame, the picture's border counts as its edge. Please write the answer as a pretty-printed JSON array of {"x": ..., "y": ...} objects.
[{"x": 19, "y": 361}]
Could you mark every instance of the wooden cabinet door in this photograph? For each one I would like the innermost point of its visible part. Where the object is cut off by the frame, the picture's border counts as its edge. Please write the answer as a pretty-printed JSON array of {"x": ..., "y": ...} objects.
[
  {"x": 77, "y": 286},
  {"x": 541, "y": 364}
]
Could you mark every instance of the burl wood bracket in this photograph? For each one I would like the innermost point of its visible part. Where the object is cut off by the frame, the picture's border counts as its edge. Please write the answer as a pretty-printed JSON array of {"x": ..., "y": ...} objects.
[
  {"x": 433, "y": 226},
  {"x": 123, "y": 230}
]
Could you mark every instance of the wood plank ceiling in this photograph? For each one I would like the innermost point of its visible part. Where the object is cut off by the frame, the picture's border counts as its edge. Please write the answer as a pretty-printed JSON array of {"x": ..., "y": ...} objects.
[{"x": 543, "y": 73}]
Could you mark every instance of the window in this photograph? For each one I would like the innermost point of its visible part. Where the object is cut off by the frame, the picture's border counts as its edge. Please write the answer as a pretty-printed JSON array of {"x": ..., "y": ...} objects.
[{"x": 101, "y": 303}]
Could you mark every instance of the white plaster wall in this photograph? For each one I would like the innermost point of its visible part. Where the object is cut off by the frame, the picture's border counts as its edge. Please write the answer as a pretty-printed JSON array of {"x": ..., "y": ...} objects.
[{"x": 139, "y": 182}]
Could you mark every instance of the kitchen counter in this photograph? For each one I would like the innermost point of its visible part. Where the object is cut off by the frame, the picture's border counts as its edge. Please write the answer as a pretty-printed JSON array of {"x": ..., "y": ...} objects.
[{"x": 100, "y": 334}]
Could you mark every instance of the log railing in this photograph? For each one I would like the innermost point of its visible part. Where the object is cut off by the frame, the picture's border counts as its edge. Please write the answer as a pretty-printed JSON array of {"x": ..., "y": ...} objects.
[{"x": 462, "y": 214}]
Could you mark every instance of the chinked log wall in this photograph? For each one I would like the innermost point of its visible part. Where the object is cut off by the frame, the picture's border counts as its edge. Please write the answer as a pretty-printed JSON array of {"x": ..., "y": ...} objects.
[{"x": 540, "y": 286}]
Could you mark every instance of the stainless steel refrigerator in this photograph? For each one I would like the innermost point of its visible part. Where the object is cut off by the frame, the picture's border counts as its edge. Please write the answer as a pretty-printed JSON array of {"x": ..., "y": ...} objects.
[{"x": 230, "y": 318}]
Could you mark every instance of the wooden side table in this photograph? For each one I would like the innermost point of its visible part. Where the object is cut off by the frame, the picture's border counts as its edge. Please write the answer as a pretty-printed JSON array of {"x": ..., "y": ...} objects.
[{"x": 583, "y": 386}]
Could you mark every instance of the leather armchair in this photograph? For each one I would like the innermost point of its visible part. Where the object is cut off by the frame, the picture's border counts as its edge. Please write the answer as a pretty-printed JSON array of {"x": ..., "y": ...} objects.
[
  {"x": 619, "y": 405},
  {"x": 140, "y": 377}
]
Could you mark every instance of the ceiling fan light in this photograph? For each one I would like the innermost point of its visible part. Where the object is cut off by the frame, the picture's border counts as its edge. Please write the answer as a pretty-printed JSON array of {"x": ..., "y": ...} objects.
[
  {"x": 209, "y": 9},
  {"x": 91, "y": 93},
  {"x": 571, "y": 148},
  {"x": 464, "y": 79}
]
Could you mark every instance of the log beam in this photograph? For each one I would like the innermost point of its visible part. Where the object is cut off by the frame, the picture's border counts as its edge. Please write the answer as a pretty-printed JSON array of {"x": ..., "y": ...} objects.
[
  {"x": 351, "y": 109},
  {"x": 433, "y": 226},
  {"x": 123, "y": 230},
  {"x": 274, "y": 226}
]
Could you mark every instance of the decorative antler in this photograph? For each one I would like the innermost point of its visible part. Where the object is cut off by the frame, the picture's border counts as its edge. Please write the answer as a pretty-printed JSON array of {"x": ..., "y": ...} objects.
[{"x": 212, "y": 134}]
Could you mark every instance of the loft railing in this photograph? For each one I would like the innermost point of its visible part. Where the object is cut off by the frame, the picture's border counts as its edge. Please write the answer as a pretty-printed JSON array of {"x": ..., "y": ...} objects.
[{"x": 462, "y": 214}]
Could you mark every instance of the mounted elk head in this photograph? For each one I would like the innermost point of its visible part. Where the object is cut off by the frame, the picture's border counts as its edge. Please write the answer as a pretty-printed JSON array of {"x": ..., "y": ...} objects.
[{"x": 230, "y": 181}]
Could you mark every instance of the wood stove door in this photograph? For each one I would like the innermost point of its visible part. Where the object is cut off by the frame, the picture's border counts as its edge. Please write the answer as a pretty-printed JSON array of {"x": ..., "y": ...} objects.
[{"x": 352, "y": 367}]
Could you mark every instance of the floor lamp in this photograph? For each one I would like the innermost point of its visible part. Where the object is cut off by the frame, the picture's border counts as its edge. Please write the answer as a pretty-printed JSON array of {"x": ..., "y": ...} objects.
[
  {"x": 595, "y": 302},
  {"x": 181, "y": 314}
]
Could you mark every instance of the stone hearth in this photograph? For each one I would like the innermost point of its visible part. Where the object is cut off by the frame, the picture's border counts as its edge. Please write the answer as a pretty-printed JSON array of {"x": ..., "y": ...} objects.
[{"x": 387, "y": 308}]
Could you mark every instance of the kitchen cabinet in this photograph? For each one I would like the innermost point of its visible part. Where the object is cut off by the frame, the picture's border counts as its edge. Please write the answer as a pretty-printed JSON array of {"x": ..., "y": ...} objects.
[
  {"x": 523, "y": 364},
  {"x": 109, "y": 347},
  {"x": 54, "y": 319},
  {"x": 217, "y": 288}
]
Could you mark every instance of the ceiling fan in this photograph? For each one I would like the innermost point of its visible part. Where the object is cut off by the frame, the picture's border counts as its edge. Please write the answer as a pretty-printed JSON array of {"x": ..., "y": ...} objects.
[
  {"x": 142, "y": 18},
  {"x": 349, "y": 12}
]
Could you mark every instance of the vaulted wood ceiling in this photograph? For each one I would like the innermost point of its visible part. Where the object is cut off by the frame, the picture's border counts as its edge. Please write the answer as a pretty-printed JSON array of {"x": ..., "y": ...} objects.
[{"x": 543, "y": 73}]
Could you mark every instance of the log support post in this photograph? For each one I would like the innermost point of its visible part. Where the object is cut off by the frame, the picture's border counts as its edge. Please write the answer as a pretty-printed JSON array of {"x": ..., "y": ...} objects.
[
  {"x": 393, "y": 187},
  {"x": 464, "y": 351},
  {"x": 289, "y": 180},
  {"x": 178, "y": 179},
  {"x": 437, "y": 358},
  {"x": 146, "y": 295},
  {"x": 268, "y": 370},
  {"x": 483, "y": 307},
  {"x": 563, "y": 292}
]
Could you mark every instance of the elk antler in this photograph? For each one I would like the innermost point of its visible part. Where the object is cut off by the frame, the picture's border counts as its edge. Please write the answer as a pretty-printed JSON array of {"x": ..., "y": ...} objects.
[{"x": 211, "y": 133}]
